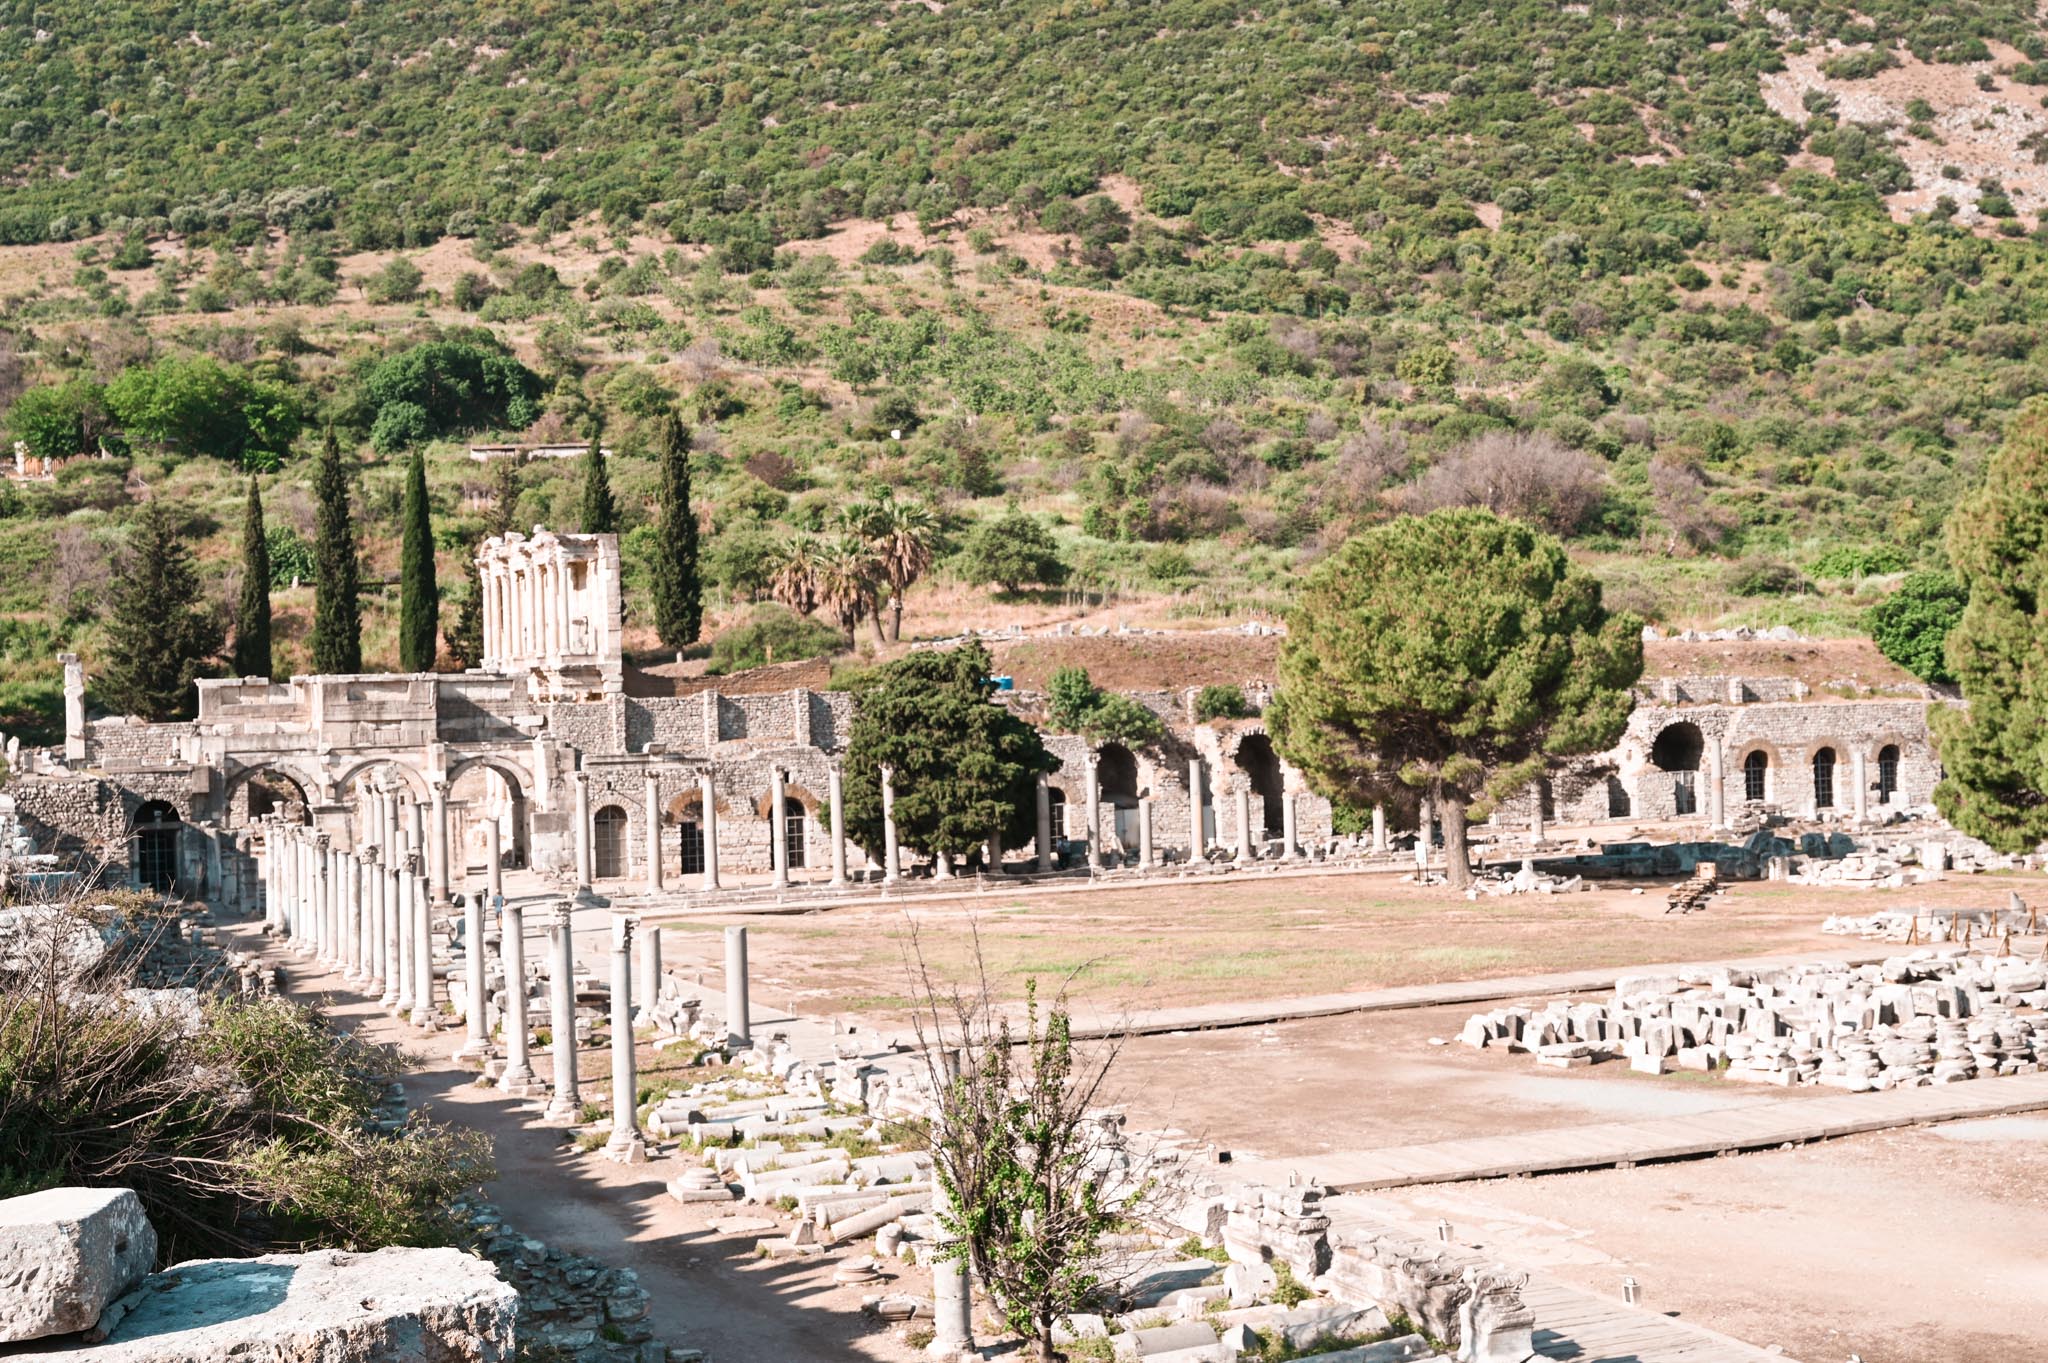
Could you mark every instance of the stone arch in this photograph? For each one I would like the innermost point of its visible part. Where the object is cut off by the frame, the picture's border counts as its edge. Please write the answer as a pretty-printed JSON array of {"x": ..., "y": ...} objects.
[
  {"x": 515, "y": 844},
  {"x": 1677, "y": 749},
  {"x": 1823, "y": 763},
  {"x": 1116, "y": 776},
  {"x": 610, "y": 832},
  {"x": 156, "y": 828},
  {"x": 312, "y": 790},
  {"x": 415, "y": 781},
  {"x": 1888, "y": 758},
  {"x": 1256, "y": 758},
  {"x": 1756, "y": 775}
]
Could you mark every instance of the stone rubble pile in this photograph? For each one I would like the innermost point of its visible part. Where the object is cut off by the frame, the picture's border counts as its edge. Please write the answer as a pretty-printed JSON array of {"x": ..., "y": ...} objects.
[
  {"x": 578, "y": 1308},
  {"x": 74, "y": 1269},
  {"x": 1929, "y": 1018}
]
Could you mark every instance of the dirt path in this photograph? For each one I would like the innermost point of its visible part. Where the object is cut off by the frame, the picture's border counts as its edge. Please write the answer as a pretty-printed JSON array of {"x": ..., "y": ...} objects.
[{"x": 707, "y": 1289}]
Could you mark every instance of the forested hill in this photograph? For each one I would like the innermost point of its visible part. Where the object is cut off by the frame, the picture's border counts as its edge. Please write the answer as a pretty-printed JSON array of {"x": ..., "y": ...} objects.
[
  {"x": 1734, "y": 297},
  {"x": 1404, "y": 118}
]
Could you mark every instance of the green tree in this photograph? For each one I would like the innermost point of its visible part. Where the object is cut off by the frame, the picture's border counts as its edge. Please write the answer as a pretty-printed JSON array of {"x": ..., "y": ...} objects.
[
  {"x": 200, "y": 406},
  {"x": 1994, "y": 753},
  {"x": 964, "y": 766},
  {"x": 1078, "y": 706},
  {"x": 678, "y": 586},
  {"x": 1912, "y": 624},
  {"x": 419, "y": 599},
  {"x": 337, "y": 618},
  {"x": 466, "y": 636},
  {"x": 444, "y": 387},
  {"x": 901, "y": 538},
  {"x": 252, "y": 617},
  {"x": 58, "y": 421},
  {"x": 1011, "y": 551},
  {"x": 161, "y": 632},
  {"x": 600, "y": 512},
  {"x": 1456, "y": 654}
]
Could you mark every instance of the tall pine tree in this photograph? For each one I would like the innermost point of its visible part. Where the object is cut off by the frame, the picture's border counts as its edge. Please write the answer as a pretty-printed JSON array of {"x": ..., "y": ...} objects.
[
  {"x": 1994, "y": 752},
  {"x": 337, "y": 618},
  {"x": 419, "y": 599},
  {"x": 466, "y": 638},
  {"x": 678, "y": 591},
  {"x": 600, "y": 512},
  {"x": 252, "y": 618},
  {"x": 160, "y": 632}
]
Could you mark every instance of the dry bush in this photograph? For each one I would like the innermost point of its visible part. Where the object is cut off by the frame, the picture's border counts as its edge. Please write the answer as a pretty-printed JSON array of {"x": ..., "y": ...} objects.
[
  {"x": 772, "y": 467},
  {"x": 1133, "y": 429},
  {"x": 1528, "y": 476},
  {"x": 1225, "y": 438},
  {"x": 78, "y": 571},
  {"x": 1319, "y": 427},
  {"x": 1191, "y": 511},
  {"x": 702, "y": 360},
  {"x": 1679, "y": 492}
]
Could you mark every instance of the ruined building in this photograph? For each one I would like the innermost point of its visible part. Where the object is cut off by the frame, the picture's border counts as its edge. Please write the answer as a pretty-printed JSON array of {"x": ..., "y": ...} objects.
[{"x": 541, "y": 758}]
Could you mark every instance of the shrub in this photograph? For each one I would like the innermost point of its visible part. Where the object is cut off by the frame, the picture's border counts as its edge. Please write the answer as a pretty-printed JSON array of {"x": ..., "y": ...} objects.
[
  {"x": 1078, "y": 706},
  {"x": 1911, "y": 625},
  {"x": 1531, "y": 477},
  {"x": 1859, "y": 561},
  {"x": 291, "y": 558},
  {"x": 772, "y": 634},
  {"x": 1011, "y": 551},
  {"x": 1222, "y": 702},
  {"x": 1759, "y": 576}
]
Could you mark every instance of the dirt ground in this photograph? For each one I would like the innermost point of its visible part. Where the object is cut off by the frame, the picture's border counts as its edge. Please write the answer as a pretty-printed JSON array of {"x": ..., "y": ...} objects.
[
  {"x": 707, "y": 1288},
  {"x": 1225, "y": 940},
  {"x": 1366, "y": 1081},
  {"x": 1909, "y": 1246}
]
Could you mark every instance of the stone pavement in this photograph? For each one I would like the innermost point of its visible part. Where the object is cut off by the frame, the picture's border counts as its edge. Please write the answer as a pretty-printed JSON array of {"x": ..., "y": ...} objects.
[
  {"x": 1207, "y": 1016},
  {"x": 1757, "y": 1127}
]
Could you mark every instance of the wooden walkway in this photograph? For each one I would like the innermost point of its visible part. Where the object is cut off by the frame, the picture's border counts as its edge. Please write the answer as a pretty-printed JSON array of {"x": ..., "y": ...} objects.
[
  {"x": 1576, "y": 1326},
  {"x": 1758, "y": 1126},
  {"x": 1257, "y": 1012}
]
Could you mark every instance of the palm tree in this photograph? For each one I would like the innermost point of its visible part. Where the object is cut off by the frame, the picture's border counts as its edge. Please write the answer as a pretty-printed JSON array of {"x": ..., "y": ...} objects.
[
  {"x": 848, "y": 578},
  {"x": 901, "y": 535},
  {"x": 795, "y": 580}
]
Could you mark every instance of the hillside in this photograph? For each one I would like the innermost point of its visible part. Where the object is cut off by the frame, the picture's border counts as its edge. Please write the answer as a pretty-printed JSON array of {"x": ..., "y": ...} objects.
[{"x": 1736, "y": 301}]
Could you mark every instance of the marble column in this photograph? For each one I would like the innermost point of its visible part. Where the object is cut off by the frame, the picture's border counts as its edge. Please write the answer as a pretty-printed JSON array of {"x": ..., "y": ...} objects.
[
  {"x": 1379, "y": 829},
  {"x": 625, "y": 1145},
  {"x": 394, "y": 935},
  {"x": 835, "y": 789},
  {"x": 566, "y": 1104},
  {"x": 738, "y": 1020},
  {"x": 1290, "y": 826},
  {"x": 1717, "y": 784},
  {"x": 439, "y": 858},
  {"x": 1092, "y": 812},
  {"x": 647, "y": 989},
  {"x": 494, "y": 859},
  {"x": 1859, "y": 784},
  {"x": 1536, "y": 828},
  {"x": 708, "y": 821},
  {"x": 373, "y": 921},
  {"x": 518, "y": 1077},
  {"x": 1197, "y": 843},
  {"x": 942, "y": 866},
  {"x": 1245, "y": 845},
  {"x": 1144, "y": 832},
  {"x": 891, "y": 859},
  {"x": 1045, "y": 849},
  {"x": 273, "y": 904},
  {"x": 425, "y": 1012},
  {"x": 352, "y": 915},
  {"x": 653, "y": 838},
  {"x": 1425, "y": 836},
  {"x": 583, "y": 867},
  {"x": 778, "y": 841},
  {"x": 476, "y": 1044},
  {"x": 323, "y": 927}
]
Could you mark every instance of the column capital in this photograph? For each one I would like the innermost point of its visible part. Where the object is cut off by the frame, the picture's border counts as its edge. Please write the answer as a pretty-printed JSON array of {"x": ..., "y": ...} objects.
[{"x": 562, "y": 912}]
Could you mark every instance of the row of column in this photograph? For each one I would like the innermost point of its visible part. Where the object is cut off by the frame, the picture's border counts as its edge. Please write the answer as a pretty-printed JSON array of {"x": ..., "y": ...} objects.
[
  {"x": 654, "y": 873},
  {"x": 367, "y": 913}
]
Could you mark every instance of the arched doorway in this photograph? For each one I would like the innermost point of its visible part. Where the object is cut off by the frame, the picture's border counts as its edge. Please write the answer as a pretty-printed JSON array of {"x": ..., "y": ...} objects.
[
  {"x": 793, "y": 827},
  {"x": 608, "y": 844},
  {"x": 156, "y": 830},
  {"x": 1116, "y": 783},
  {"x": 1257, "y": 760},
  {"x": 1756, "y": 772},
  {"x": 1677, "y": 750},
  {"x": 1887, "y": 773},
  {"x": 484, "y": 790},
  {"x": 1824, "y": 779}
]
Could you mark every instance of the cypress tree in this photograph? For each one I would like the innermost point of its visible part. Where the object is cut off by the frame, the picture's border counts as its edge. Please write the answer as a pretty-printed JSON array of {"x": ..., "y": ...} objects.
[
  {"x": 419, "y": 600},
  {"x": 1994, "y": 752},
  {"x": 160, "y": 632},
  {"x": 600, "y": 512},
  {"x": 337, "y": 618},
  {"x": 252, "y": 620},
  {"x": 678, "y": 591}
]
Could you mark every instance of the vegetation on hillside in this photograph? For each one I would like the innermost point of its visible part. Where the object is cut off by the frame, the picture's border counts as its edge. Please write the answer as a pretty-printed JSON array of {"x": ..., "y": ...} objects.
[{"x": 1169, "y": 299}]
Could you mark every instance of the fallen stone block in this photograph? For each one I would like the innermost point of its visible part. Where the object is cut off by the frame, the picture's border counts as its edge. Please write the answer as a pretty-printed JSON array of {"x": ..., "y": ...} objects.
[
  {"x": 1166, "y": 1339},
  {"x": 393, "y": 1305},
  {"x": 65, "y": 1254},
  {"x": 1306, "y": 1326}
]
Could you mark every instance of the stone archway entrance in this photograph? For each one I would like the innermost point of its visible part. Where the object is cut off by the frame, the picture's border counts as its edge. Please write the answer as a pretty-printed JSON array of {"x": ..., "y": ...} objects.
[
  {"x": 1261, "y": 766},
  {"x": 157, "y": 832}
]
